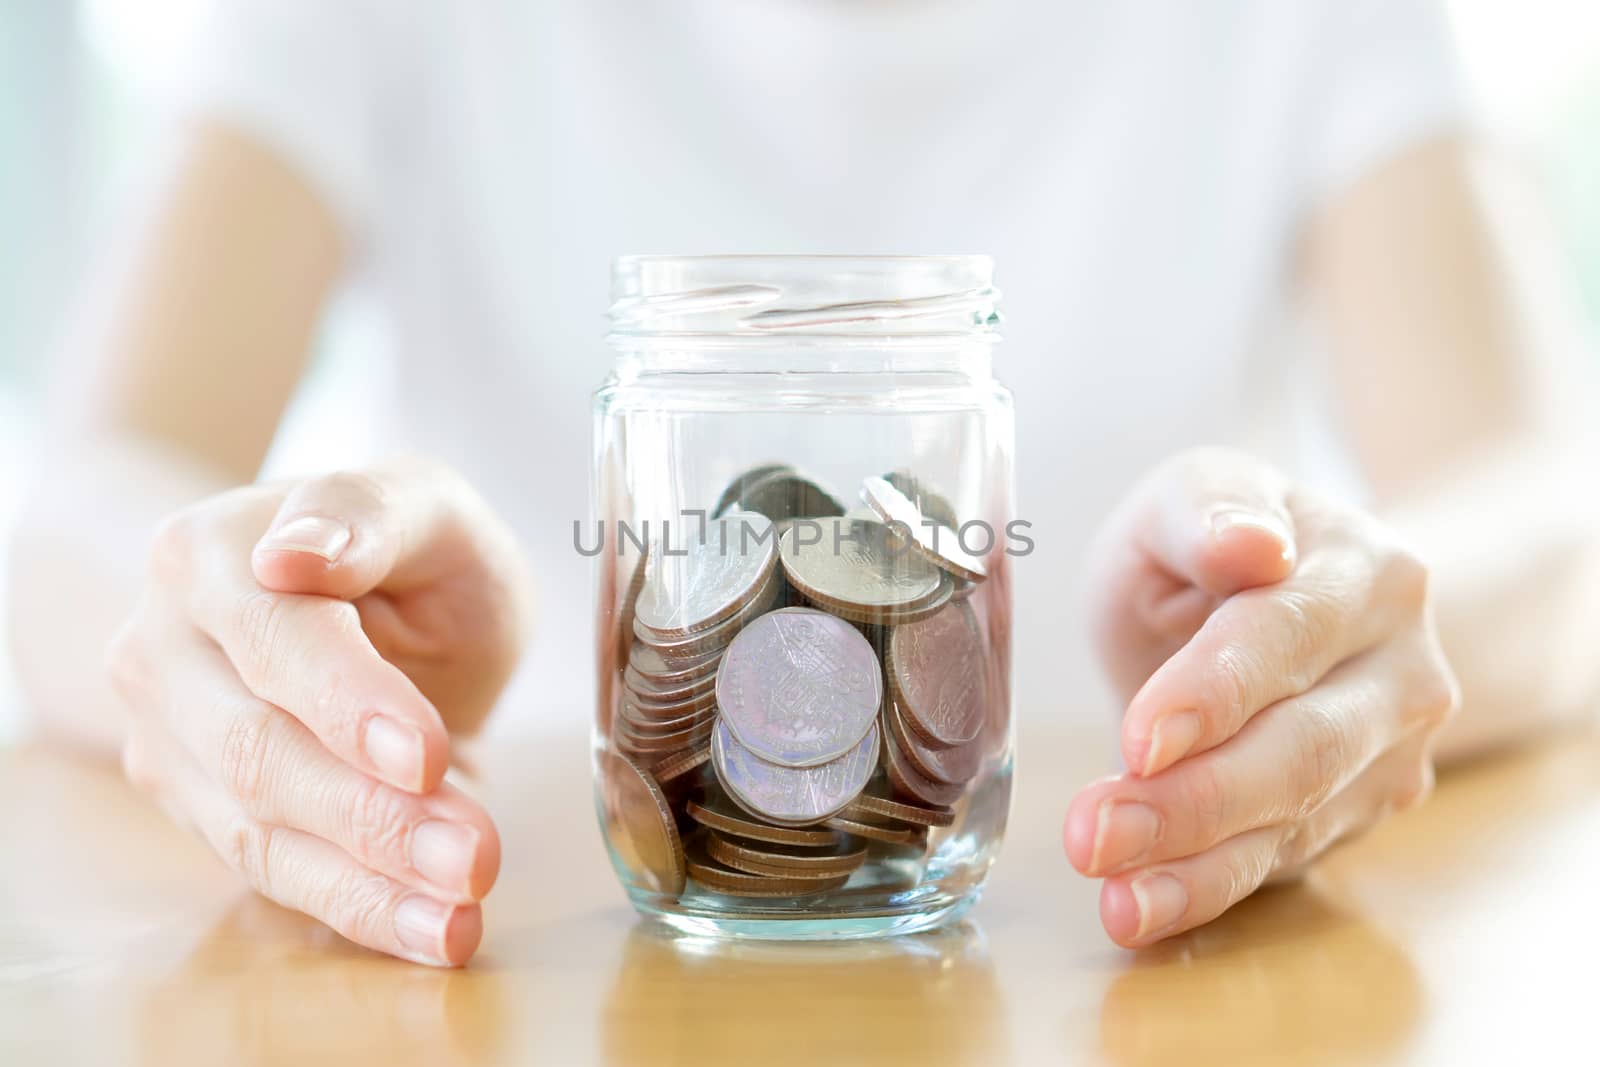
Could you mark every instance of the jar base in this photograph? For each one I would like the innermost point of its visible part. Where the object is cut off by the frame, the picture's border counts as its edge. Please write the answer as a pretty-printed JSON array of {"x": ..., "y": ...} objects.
[{"x": 889, "y": 922}]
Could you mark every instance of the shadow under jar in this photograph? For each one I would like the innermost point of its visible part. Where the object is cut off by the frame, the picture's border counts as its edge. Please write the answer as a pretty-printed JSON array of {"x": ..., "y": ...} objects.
[{"x": 803, "y": 536}]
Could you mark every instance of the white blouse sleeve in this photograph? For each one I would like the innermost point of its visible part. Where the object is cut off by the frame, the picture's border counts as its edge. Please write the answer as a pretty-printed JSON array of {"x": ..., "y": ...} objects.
[
  {"x": 320, "y": 82},
  {"x": 1385, "y": 77}
]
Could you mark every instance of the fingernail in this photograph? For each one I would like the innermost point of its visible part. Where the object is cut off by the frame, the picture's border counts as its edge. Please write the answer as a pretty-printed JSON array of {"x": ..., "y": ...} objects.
[
  {"x": 420, "y": 923},
  {"x": 1161, "y": 900},
  {"x": 442, "y": 852},
  {"x": 1232, "y": 518},
  {"x": 315, "y": 534},
  {"x": 1171, "y": 738},
  {"x": 395, "y": 749},
  {"x": 1124, "y": 831}
]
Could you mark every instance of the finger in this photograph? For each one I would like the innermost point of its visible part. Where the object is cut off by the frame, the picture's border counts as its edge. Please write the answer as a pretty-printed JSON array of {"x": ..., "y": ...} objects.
[
  {"x": 307, "y": 655},
  {"x": 342, "y": 534},
  {"x": 1217, "y": 518},
  {"x": 1284, "y": 764},
  {"x": 1148, "y": 903},
  {"x": 280, "y": 774},
  {"x": 314, "y": 876},
  {"x": 1262, "y": 645}
]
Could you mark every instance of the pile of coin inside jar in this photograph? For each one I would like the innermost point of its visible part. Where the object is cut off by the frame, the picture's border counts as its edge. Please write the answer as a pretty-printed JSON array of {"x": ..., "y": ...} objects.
[{"x": 802, "y": 689}]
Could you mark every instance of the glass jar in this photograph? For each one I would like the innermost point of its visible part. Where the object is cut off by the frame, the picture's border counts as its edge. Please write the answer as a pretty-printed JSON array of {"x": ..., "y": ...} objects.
[{"x": 803, "y": 533}]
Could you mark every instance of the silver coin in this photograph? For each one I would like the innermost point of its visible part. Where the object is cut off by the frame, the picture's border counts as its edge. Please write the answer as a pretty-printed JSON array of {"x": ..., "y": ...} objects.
[
  {"x": 716, "y": 638},
  {"x": 937, "y": 542},
  {"x": 710, "y": 580},
  {"x": 855, "y": 565},
  {"x": 737, "y": 488},
  {"x": 793, "y": 796},
  {"x": 933, "y": 505},
  {"x": 783, "y": 494},
  {"x": 799, "y": 687}
]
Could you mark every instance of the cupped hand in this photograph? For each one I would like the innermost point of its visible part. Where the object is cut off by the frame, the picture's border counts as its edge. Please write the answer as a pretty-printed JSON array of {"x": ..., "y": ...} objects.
[
  {"x": 1284, "y": 686},
  {"x": 297, "y": 662}
]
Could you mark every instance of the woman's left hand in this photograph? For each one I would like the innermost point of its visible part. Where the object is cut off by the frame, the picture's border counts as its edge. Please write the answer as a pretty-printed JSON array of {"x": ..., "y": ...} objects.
[{"x": 1284, "y": 682}]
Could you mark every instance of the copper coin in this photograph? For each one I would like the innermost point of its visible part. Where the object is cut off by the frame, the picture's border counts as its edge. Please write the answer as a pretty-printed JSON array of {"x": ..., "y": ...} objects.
[
  {"x": 955, "y": 766},
  {"x": 838, "y": 860},
  {"x": 696, "y": 585},
  {"x": 717, "y": 878},
  {"x": 935, "y": 541},
  {"x": 665, "y": 692},
  {"x": 866, "y": 805},
  {"x": 856, "y": 566},
  {"x": 796, "y": 863},
  {"x": 783, "y": 494},
  {"x": 938, "y": 671},
  {"x": 799, "y": 687},
  {"x": 909, "y": 782},
  {"x": 680, "y": 763},
  {"x": 648, "y": 662},
  {"x": 718, "y": 637},
  {"x": 873, "y": 831},
  {"x": 639, "y": 823},
  {"x": 757, "y": 831},
  {"x": 793, "y": 795},
  {"x": 737, "y": 488},
  {"x": 932, "y": 505}
]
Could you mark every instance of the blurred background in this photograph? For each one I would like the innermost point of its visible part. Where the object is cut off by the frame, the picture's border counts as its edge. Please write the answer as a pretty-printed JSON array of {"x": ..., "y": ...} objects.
[{"x": 82, "y": 90}]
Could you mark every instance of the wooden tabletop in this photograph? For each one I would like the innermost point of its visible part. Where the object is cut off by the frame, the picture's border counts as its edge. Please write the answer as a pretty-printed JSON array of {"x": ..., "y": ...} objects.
[{"x": 1465, "y": 932}]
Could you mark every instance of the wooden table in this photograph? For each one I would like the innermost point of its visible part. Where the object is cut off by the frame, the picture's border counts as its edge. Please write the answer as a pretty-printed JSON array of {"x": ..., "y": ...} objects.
[{"x": 1465, "y": 932}]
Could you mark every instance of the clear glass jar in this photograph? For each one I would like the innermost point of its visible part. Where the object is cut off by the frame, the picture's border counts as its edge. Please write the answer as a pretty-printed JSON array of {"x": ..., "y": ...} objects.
[{"x": 803, "y": 533}]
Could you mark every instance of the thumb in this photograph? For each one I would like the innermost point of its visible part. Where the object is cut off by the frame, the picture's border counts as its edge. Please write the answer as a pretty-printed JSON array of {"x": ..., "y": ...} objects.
[
  {"x": 343, "y": 534},
  {"x": 1220, "y": 519}
]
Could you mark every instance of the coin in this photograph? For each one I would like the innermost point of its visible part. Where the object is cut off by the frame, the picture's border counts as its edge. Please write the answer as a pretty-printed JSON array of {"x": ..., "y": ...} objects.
[
  {"x": 649, "y": 663},
  {"x": 956, "y": 765},
  {"x": 938, "y": 543},
  {"x": 632, "y": 741},
  {"x": 651, "y": 689},
  {"x": 639, "y": 823},
  {"x": 736, "y": 488},
  {"x": 630, "y": 599},
  {"x": 855, "y": 566},
  {"x": 938, "y": 671},
  {"x": 872, "y": 831},
  {"x": 644, "y": 725},
  {"x": 931, "y": 504},
  {"x": 647, "y": 710},
  {"x": 774, "y": 861},
  {"x": 756, "y": 831},
  {"x": 793, "y": 795},
  {"x": 799, "y": 687},
  {"x": 916, "y": 612},
  {"x": 711, "y": 875},
  {"x": 909, "y": 782},
  {"x": 707, "y": 580},
  {"x": 718, "y": 637},
  {"x": 866, "y": 805},
  {"x": 783, "y": 494},
  {"x": 680, "y": 763}
]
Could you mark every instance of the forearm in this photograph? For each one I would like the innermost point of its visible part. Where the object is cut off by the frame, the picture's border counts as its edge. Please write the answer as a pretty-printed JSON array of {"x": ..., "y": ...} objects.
[
  {"x": 76, "y": 559},
  {"x": 1514, "y": 552}
]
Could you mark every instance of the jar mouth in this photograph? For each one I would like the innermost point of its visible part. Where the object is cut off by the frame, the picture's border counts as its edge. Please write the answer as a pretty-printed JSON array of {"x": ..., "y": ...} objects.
[{"x": 842, "y": 296}]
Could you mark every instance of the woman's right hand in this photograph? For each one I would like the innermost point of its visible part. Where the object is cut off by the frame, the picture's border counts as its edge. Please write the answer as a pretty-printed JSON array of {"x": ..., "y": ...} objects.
[{"x": 297, "y": 661}]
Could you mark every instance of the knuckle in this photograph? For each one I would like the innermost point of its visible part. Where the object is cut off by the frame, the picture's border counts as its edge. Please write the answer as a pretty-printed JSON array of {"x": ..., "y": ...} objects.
[
  {"x": 260, "y": 618},
  {"x": 1228, "y": 686},
  {"x": 1306, "y": 622},
  {"x": 1205, "y": 796},
  {"x": 246, "y": 758},
  {"x": 378, "y": 822},
  {"x": 1407, "y": 578},
  {"x": 351, "y": 901},
  {"x": 1438, "y": 695},
  {"x": 172, "y": 547},
  {"x": 1294, "y": 849},
  {"x": 1416, "y": 788},
  {"x": 1321, "y": 754},
  {"x": 137, "y": 766},
  {"x": 246, "y": 846},
  {"x": 127, "y": 665}
]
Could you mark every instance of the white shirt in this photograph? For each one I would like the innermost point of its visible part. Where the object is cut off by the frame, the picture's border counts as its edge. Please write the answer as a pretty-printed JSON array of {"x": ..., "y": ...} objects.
[{"x": 1138, "y": 169}]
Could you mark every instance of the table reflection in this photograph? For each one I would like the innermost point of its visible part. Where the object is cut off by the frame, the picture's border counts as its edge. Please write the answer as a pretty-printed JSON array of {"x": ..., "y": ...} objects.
[
  {"x": 1283, "y": 971},
  {"x": 671, "y": 997}
]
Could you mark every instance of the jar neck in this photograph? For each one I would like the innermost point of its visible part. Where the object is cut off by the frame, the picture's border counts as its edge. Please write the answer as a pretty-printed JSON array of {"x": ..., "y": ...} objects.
[{"x": 970, "y": 357}]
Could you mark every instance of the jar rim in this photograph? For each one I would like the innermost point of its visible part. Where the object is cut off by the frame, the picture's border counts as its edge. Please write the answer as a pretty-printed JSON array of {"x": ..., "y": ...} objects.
[{"x": 784, "y": 295}]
